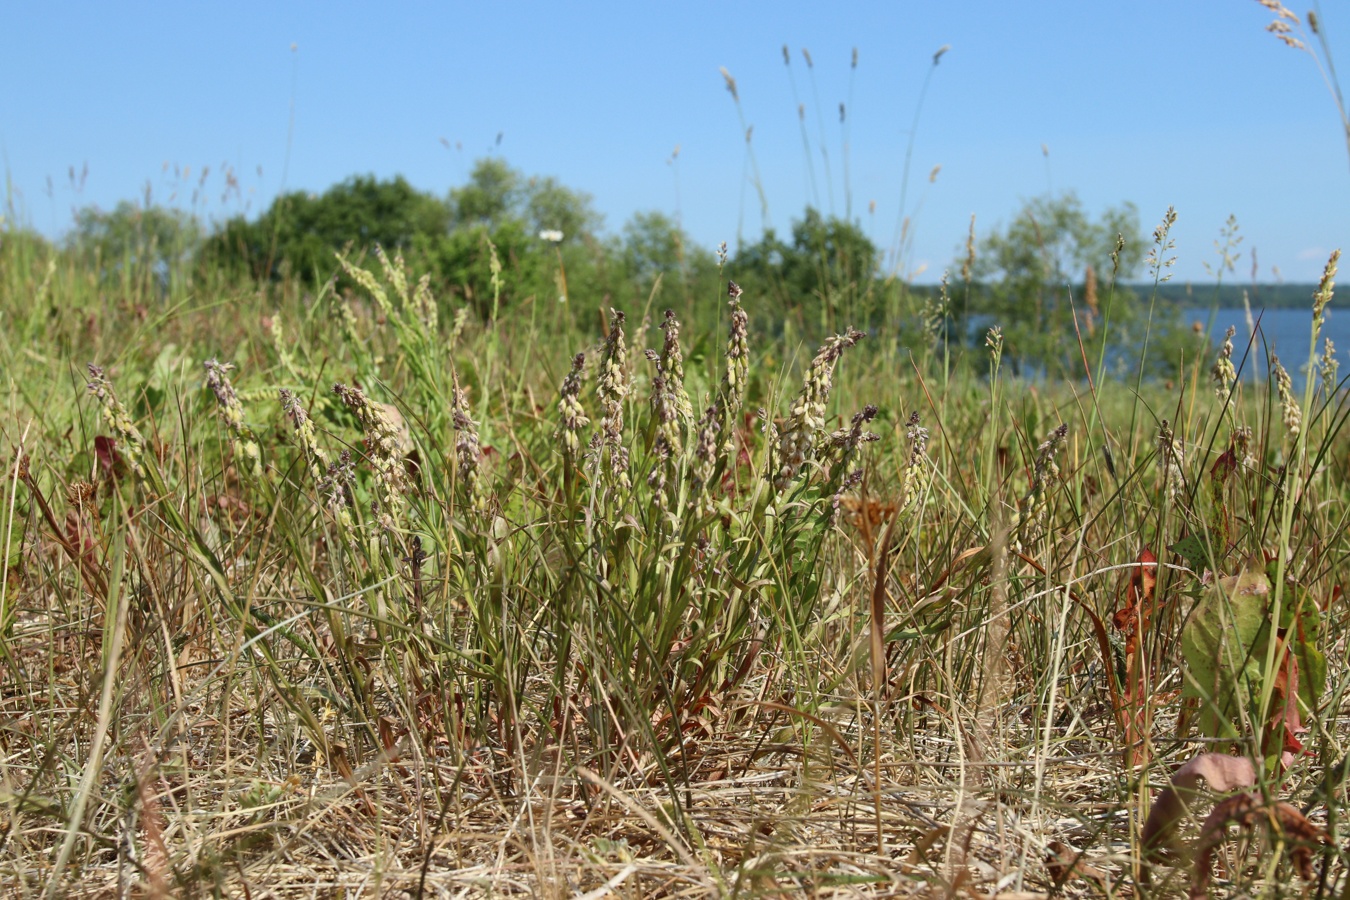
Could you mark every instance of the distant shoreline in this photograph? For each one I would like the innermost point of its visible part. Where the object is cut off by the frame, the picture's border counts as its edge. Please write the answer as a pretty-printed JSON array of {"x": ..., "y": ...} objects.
[
  {"x": 1230, "y": 296},
  {"x": 1227, "y": 296}
]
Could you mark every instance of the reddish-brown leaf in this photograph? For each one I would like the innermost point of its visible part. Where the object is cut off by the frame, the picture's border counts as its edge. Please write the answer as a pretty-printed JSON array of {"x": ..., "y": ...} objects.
[
  {"x": 1245, "y": 810},
  {"x": 1224, "y": 467},
  {"x": 1133, "y": 619},
  {"x": 1221, "y": 773},
  {"x": 109, "y": 460}
]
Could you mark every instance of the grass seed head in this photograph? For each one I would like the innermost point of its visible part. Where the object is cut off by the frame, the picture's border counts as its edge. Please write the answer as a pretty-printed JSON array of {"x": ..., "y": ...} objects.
[
  {"x": 1326, "y": 288},
  {"x": 806, "y": 417},
  {"x": 335, "y": 487},
  {"x": 384, "y": 444},
  {"x": 1032, "y": 511},
  {"x": 1327, "y": 367},
  {"x": 1291, "y": 414},
  {"x": 368, "y": 282},
  {"x": 914, "y": 476},
  {"x": 232, "y": 412},
  {"x": 1223, "y": 373},
  {"x": 571, "y": 417},
  {"x": 1158, "y": 261},
  {"x": 115, "y": 416},
  {"x": 1169, "y": 462},
  {"x": 316, "y": 456},
  {"x": 468, "y": 452},
  {"x": 612, "y": 388}
]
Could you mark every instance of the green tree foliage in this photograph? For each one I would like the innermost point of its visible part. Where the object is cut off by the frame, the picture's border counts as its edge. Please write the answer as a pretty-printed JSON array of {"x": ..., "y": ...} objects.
[
  {"x": 497, "y": 193},
  {"x": 132, "y": 241},
  {"x": 1054, "y": 264},
  {"x": 300, "y": 232},
  {"x": 519, "y": 216},
  {"x": 826, "y": 273},
  {"x": 545, "y": 237},
  {"x": 654, "y": 246},
  {"x": 23, "y": 247}
]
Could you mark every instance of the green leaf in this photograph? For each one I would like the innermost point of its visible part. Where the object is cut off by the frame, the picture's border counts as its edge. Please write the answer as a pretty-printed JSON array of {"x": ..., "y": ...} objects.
[
  {"x": 14, "y": 553},
  {"x": 1195, "y": 549},
  {"x": 1223, "y": 643}
]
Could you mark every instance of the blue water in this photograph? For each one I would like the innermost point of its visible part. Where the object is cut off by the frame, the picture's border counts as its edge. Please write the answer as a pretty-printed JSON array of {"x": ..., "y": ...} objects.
[{"x": 1283, "y": 332}]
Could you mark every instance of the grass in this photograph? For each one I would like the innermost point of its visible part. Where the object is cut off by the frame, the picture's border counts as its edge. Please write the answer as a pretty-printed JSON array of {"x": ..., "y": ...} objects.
[{"x": 350, "y": 593}]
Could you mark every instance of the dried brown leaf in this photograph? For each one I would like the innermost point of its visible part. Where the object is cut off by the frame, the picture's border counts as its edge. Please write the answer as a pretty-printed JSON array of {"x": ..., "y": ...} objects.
[
  {"x": 1065, "y": 864},
  {"x": 1222, "y": 774},
  {"x": 1245, "y": 810}
]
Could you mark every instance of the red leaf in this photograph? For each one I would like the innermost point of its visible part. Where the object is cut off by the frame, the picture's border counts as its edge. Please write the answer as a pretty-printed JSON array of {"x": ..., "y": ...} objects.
[
  {"x": 1224, "y": 466},
  {"x": 109, "y": 460},
  {"x": 1143, "y": 580}
]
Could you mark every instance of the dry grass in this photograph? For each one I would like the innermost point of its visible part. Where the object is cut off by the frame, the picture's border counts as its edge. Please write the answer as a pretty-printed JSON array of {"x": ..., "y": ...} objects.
[{"x": 480, "y": 658}]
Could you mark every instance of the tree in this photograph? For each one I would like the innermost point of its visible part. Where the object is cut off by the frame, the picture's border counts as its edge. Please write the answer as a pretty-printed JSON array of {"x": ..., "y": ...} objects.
[
  {"x": 497, "y": 193},
  {"x": 300, "y": 232},
  {"x": 1053, "y": 263},
  {"x": 134, "y": 241},
  {"x": 491, "y": 195},
  {"x": 828, "y": 272},
  {"x": 519, "y": 217}
]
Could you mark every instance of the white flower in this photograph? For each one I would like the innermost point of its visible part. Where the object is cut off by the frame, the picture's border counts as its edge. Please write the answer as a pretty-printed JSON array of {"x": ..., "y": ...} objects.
[{"x": 552, "y": 235}]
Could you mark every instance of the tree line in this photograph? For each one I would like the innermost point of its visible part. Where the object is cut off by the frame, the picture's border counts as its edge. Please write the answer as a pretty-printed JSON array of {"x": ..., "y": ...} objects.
[{"x": 1051, "y": 277}]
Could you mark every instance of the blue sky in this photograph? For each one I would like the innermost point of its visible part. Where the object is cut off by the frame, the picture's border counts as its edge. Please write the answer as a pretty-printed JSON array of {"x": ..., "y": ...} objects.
[{"x": 1160, "y": 103}]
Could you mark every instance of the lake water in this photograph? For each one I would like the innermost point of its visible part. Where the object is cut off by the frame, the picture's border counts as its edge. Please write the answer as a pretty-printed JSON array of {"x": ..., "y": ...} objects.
[{"x": 1284, "y": 332}]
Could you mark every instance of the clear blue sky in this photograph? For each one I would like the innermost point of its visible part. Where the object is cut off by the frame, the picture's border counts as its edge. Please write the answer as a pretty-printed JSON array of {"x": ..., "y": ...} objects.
[{"x": 1191, "y": 104}]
